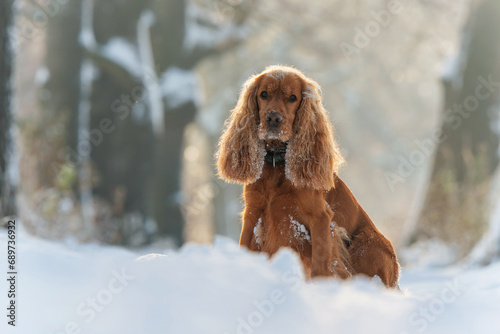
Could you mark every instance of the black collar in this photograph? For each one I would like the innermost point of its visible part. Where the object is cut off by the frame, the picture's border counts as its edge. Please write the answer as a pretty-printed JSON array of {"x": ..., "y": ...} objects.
[{"x": 276, "y": 156}]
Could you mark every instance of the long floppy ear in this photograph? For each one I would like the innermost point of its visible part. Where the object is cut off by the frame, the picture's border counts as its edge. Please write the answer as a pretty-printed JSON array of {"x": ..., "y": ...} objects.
[
  {"x": 240, "y": 155},
  {"x": 313, "y": 158}
]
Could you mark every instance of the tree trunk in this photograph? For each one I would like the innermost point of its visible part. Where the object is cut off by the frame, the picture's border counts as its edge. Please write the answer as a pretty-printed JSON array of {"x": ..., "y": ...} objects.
[
  {"x": 138, "y": 163},
  {"x": 466, "y": 156},
  {"x": 122, "y": 150},
  {"x": 171, "y": 51},
  {"x": 7, "y": 191},
  {"x": 137, "y": 170},
  {"x": 167, "y": 194},
  {"x": 168, "y": 35},
  {"x": 52, "y": 131},
  {"x": 60, "y": 94}
]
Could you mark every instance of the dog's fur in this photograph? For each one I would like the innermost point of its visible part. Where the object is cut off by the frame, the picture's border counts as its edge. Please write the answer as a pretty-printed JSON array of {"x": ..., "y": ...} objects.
[{"x": 299, "y": 203}]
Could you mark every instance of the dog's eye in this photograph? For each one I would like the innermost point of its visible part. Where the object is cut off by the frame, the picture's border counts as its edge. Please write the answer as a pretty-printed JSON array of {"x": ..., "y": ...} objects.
[
  {"x": 263, "y": 95},
  {"x": 292, "y": 98}
]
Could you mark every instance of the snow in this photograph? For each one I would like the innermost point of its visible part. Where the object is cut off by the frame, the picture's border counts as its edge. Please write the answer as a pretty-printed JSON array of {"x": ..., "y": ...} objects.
[
  {"x": 124, "y": 53},
  {"x": 150, "y": 80},
  {"x": 300, "y": 232},
  {"x": 332, "y": 228},
  {"x": 257, "y": 232},
  {"x": 73, "y": 288},
  {"x": 180, "y": 86},
  {"x": 205, "y": 29},
  {"x": 452, "y": 67},
  {"x": 87, "y": 74},
  {"x": 87, "y": 37},
  {"x": 42, "y": 76}
]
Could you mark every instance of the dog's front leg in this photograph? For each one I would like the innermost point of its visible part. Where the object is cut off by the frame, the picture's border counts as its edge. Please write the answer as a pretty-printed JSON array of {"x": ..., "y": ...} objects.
[
  {"x": 250, "y": 221},
  {"x": 326, "y": 260},
  {"x": 322, "y": 245}
]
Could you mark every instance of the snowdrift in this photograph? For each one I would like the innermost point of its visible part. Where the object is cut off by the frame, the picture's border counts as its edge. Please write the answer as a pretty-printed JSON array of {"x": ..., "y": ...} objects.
[{"x": 73, "y": 288}]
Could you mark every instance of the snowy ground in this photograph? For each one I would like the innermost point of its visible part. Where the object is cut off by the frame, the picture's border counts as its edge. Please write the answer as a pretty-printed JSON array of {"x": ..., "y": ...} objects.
[{"x": 72, "y": 288}]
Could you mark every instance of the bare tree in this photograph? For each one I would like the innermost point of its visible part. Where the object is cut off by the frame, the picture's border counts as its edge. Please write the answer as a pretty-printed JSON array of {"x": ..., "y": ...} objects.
[
  {"x": 149, "y": 92},
  {"x": 455, "y": 207}
]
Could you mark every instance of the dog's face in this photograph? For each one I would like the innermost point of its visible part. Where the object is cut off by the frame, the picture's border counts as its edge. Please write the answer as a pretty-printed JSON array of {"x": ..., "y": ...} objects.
[
  {"x": 279, "y": 96},
  {"x": 278, "y": 105}
]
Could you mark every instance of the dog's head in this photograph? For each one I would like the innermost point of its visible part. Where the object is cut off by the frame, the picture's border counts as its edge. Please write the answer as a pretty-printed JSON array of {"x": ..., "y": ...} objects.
[{"x": 280, "y": 104}]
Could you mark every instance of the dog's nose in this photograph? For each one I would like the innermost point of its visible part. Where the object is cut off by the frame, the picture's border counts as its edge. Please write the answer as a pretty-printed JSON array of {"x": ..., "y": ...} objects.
[{"x": 273, "y": 119}]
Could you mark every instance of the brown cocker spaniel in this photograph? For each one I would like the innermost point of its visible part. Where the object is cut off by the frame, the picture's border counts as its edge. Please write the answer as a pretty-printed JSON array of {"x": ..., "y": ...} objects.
[{"x": 280, "y": 144}]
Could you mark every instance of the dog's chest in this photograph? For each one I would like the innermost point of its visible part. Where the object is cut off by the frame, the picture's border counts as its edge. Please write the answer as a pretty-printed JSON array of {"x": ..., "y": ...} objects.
[
  {"x": 279, "y": 223},
  {"x": 270, "y": 234}
]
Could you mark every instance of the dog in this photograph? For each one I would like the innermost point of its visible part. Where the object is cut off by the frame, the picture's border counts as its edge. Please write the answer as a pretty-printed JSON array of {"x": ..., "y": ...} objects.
[{"x": 279, "y": 143}]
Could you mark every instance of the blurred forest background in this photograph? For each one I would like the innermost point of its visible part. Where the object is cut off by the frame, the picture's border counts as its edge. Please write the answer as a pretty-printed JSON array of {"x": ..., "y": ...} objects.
[{"x": 111, "y": 111}]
